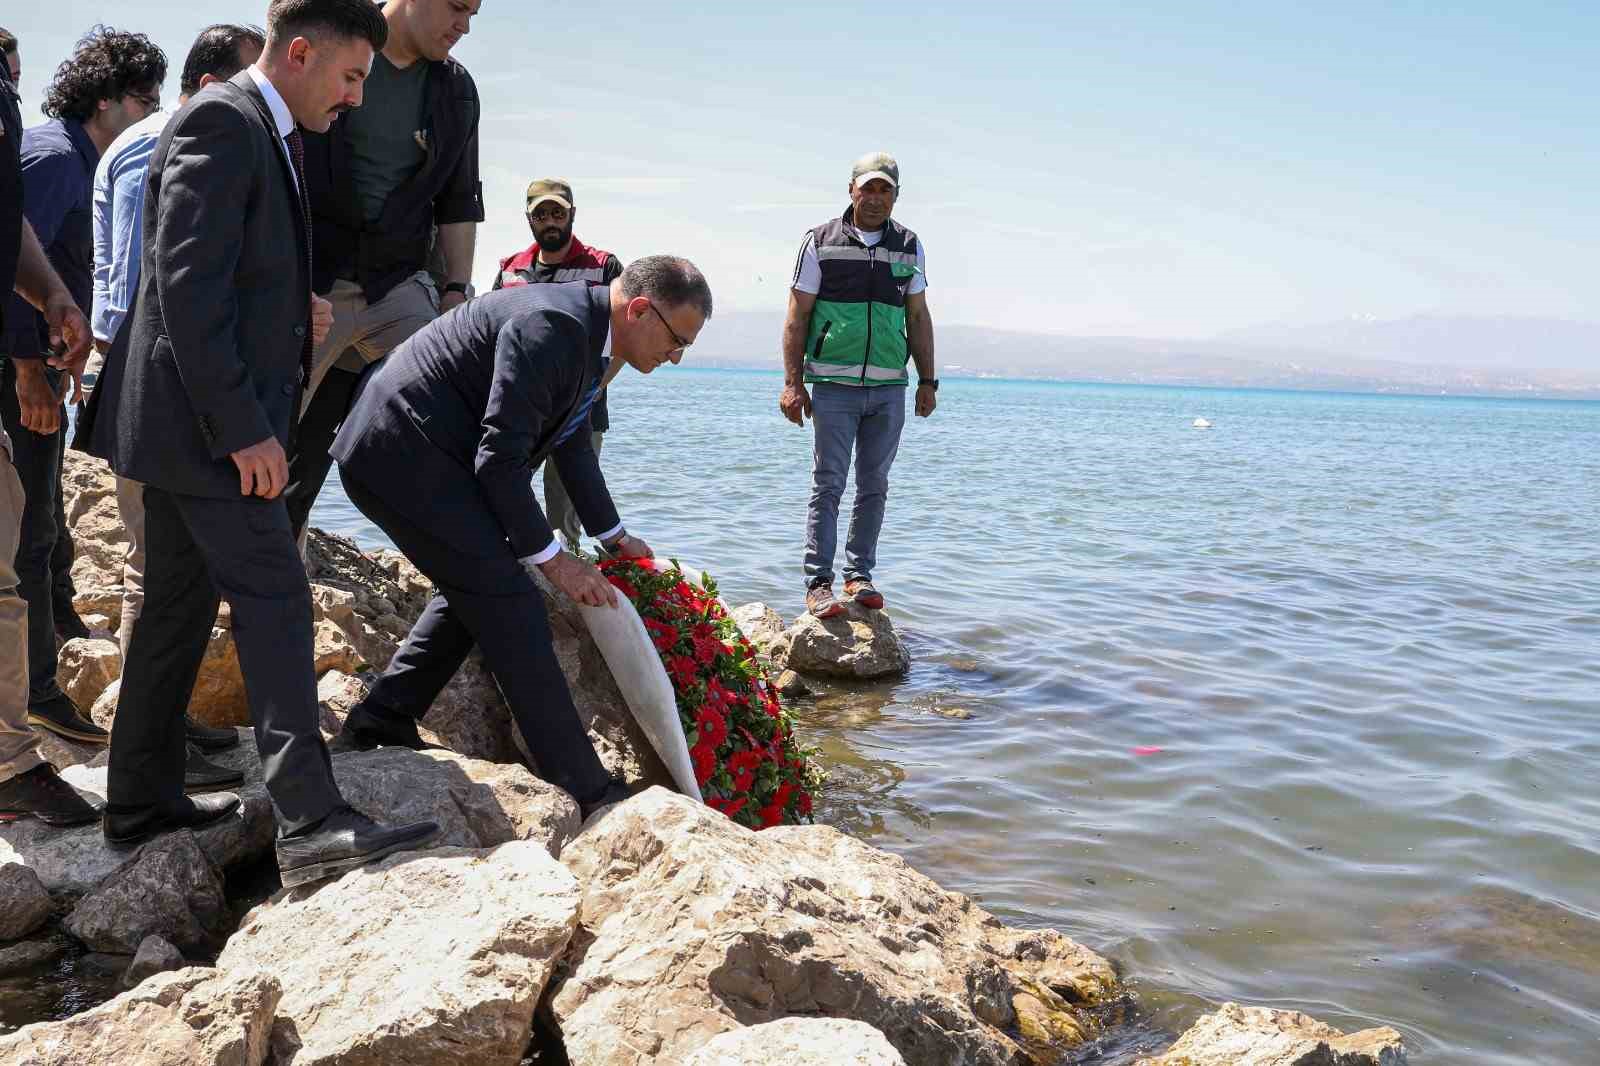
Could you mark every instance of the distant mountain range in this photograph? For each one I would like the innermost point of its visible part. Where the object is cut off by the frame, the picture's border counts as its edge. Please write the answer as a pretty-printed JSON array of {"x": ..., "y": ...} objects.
[{"x": 1423, "y": 354}]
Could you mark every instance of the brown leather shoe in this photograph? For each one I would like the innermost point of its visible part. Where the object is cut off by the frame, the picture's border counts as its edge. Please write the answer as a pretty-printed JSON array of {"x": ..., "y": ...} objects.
[
  {"x": 820, "y": 601},
  {"x": 862, "y": 592}
]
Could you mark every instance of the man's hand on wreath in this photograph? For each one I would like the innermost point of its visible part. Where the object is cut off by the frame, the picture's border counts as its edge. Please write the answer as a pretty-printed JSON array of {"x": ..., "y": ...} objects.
[
  {"x": 581, "y": 582},
  {"x": 629, "y": 546},
  {"x": 795, "y": 403}
]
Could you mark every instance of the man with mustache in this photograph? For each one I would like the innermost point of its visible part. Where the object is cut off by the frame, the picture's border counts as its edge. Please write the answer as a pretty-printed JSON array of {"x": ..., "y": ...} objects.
[
  {"x": 382, "y": 179},
  {"x": 556, "y": 256},
  {"x": 217, "y": 354},
  {"x": 439, "y": 450}
]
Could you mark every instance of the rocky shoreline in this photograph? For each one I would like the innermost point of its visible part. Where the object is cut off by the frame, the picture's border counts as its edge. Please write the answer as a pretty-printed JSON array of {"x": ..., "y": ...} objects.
[{"x": 659, "y": 931}]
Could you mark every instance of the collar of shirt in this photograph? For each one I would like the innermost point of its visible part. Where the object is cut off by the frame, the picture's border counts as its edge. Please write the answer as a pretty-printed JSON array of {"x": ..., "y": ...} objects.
[
  {"x": 82, "y": 142},
  {"x": 280, "y": 110}
]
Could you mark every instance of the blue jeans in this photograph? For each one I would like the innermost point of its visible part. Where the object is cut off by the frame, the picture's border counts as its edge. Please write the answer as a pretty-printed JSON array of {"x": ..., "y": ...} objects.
[{"x": 866, "y": 420}]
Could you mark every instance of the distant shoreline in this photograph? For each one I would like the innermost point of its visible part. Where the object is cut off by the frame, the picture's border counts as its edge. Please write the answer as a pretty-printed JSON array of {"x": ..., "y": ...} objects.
[{"x": 1580, "y": 397}]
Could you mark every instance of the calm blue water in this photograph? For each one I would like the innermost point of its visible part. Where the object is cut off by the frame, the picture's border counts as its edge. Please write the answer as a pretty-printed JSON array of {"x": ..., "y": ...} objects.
[{"x": 1364, "y": 631}]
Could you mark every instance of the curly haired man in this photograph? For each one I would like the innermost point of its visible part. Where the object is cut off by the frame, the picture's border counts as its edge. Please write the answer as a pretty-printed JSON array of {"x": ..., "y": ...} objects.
[{"x": 112, "y": 80}]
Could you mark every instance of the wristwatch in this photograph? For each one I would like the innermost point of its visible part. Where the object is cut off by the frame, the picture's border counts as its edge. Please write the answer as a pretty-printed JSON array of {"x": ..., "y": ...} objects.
[
  {"x": 616, "y": 544},
  {"x": 463, "y": 287},
  {"x": 932, "y": 383}
]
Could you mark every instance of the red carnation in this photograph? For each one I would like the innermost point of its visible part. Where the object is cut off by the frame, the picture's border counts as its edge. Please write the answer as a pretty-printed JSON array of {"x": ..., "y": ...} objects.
[
  {"x": 623, "y": 587},
  {"x": 771, "y": 815},
  {"x": 661, "y": 634},
  {"x": 803, "y": 804},
  {"x": 728, "y": 807},
  {"x": 683, "y": 671}
]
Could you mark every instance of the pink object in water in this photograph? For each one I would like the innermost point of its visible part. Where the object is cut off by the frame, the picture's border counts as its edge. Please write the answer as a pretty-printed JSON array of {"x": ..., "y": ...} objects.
[{"x": 1147, "y": 751}]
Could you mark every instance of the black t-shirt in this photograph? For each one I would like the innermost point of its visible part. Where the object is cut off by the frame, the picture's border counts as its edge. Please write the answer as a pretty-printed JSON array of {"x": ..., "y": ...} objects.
[{"x": 10, "y": 187}]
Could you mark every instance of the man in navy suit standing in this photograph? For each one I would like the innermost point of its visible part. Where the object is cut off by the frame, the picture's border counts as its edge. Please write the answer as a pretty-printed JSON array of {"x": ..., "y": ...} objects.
[
  {"x": 439, "y": 450},
  {"x": 206, "y": 394}
]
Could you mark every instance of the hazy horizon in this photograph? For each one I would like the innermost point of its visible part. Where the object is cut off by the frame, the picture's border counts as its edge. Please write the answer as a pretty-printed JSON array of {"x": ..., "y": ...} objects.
[{"x": 1136, "y": 172}]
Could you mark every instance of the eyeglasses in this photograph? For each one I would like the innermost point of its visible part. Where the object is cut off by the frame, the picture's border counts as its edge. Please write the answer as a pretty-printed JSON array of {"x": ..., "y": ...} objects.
[
  {"x": 151, "y": 102},
  {"x": 557, "y": 215},
  {"x": 682, "y": 344}
]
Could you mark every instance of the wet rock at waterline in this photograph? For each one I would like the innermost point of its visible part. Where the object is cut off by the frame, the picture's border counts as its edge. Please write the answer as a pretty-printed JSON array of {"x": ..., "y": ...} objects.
[
  {"x": 155, "y": 955},
  {"x": 24, "y": 903},
  {"x": 1257, "y": 1036}
]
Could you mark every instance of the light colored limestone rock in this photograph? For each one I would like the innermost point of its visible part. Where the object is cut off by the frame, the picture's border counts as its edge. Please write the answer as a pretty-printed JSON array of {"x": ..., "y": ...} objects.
[
  {"x": 194, "y": 1017},
  {"x": 86, "y": 666},
  {"x": 799, "y": 1042},
  {"x": 1257, "y": 1036},
  {"x": 761, "y": 625},
  {"x": 858, "y": 645},
  {"x": 693, "y": 925},
  {"x": 426, "y": 958}
]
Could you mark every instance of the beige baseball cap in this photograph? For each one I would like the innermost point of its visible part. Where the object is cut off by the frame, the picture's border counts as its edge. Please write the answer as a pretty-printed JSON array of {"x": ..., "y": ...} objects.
[
  {"x": 875, "y": 165},
  {"x": 549, "y": 189}
]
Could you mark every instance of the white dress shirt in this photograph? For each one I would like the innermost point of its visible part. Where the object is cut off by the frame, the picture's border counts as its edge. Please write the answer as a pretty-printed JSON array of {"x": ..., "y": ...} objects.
[{"x": 280, "y": 115}]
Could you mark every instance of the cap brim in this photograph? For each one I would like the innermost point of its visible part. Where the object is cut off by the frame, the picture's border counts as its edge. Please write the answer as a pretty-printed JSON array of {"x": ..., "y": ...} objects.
[
  {"x": 551, "y": 197},
  {"x": 869, "y": 175}
]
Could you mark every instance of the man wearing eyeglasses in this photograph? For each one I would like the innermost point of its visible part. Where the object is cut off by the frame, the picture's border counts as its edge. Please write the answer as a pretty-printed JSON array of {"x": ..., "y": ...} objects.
[
  {"x": 112, "y": 80},
  {"x": 556, "y": 256},
  {"x": 438, "y": 451}
]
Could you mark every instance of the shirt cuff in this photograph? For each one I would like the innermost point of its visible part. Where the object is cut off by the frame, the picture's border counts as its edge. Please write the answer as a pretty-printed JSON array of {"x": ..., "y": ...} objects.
[
  {"x": 608, "y": 534},
  {"x": 540, "y": 558}
]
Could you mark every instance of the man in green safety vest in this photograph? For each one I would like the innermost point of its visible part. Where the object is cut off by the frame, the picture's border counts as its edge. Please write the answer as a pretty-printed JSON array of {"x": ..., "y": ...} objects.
[{"x": 857, "y": 310}]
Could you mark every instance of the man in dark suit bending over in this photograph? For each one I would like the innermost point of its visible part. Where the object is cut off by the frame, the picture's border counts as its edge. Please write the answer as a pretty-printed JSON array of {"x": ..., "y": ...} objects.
[
  {"x": 439, "y": 450},
  {"x": 219, "y": 350}
]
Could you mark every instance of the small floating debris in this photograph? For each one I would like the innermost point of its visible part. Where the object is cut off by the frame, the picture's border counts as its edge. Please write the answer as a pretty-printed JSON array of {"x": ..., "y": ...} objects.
[
  {"x": 1147, "y": 749},
  {"x": 1201, "y": 423}
]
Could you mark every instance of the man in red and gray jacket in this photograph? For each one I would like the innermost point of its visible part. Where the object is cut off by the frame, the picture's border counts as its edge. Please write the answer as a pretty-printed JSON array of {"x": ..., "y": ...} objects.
[{"x": 557, "y": 256}]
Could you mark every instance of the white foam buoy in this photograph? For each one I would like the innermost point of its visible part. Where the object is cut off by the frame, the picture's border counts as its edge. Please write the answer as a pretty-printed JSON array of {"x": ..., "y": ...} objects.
[{"x": 1201, "y": 423}]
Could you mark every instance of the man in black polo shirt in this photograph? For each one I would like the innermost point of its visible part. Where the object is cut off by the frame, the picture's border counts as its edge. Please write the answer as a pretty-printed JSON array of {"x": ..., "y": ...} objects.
[{"x": 381, "y": 180}]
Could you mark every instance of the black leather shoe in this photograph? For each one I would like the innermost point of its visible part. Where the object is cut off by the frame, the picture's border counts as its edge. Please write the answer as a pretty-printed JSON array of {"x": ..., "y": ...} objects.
[
  {"x": 342, "y": 841},
  {"x": 209, "y": 738},
  {"x": 616, "y": 791},
  {"x": 41, "y": 793},
  {"x": 366, "y": 728},
  {"x": 125, "y": 828},
  {"x": 62, "y": 717},
  {"x": 69, "y": 626},
  {"x": 202, "y": 775}
]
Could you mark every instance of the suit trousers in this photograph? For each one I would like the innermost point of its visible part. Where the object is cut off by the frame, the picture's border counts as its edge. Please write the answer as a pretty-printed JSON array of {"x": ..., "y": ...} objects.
[
  {"x": 19, "y": 745},
  {"x": 38, "y": 459},
  {"x": 485, "y": 598},
  {"x": 195, "y": 549}
]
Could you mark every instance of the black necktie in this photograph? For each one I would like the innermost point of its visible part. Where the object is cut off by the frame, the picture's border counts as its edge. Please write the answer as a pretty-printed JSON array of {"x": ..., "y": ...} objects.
[{"x": 297, "y": 155}]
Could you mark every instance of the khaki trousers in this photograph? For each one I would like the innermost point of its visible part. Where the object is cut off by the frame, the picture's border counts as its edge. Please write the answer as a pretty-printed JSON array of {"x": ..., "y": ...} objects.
[
  {"x": 558, "y": 509},
  {"x": 130, "y": 506},
  {"x": 372, "y": 330},
  {"x": 19, "y": 746}
]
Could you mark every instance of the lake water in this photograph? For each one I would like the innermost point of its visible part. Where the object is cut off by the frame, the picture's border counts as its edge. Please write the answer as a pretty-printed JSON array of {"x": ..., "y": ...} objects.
[{"x": 1364, "y": 633}]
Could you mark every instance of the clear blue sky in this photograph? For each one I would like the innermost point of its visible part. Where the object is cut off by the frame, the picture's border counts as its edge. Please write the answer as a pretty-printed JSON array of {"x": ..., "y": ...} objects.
[{"x": 1160, "y": 169}]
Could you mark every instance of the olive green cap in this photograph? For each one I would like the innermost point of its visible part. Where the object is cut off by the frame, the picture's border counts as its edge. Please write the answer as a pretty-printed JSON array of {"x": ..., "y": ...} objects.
[
  {"x": 549, "y": 189},
  {"x": 875, "y": 165}
]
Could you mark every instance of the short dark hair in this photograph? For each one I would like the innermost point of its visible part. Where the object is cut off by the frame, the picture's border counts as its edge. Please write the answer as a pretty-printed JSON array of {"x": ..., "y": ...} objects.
[
  {"x": 106, "y": 65},
  {"x": 216, "y": 52},
  {"x": 668, "y": 280},
  {"x": 8, "y": 41},
  {"x": 287, "y": 19}
]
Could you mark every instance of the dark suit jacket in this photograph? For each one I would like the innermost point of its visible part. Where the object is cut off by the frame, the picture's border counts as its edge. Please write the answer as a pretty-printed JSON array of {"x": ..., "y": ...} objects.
[
  {"x": 208, "y": 361},
  {"x": 479, "y": 397}
]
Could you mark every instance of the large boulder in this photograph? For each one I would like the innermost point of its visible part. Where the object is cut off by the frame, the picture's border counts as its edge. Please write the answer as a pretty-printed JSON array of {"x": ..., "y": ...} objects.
[
  {"x": 168, "y": 889},
  {"x": 99, "y": 540},
  {"x": 194, "y": 1017},
  {"x": 426, "y": 959},
  {"x": 858, "y": 645},
  {"x": 799, "y": 1042},
  {"x": 24, "y": 903},
  {"x": 1257, "y": 1036},
  {"x": 477, "y": 804},
  {"x": 693, "y": 925}
]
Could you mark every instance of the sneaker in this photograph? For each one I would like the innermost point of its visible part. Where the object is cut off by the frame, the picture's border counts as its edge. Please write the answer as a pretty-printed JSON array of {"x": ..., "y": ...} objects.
[
  {"x": 862, "y": 592},
  {"x": 202, "y": 775},
  {"x": 342, "y": 841},
  {"x": 62, "y": 717},
  {"x": 41, "y": 793},
  {"x": 820, "y": 601},
  {"x": 209, "y": 738}
]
